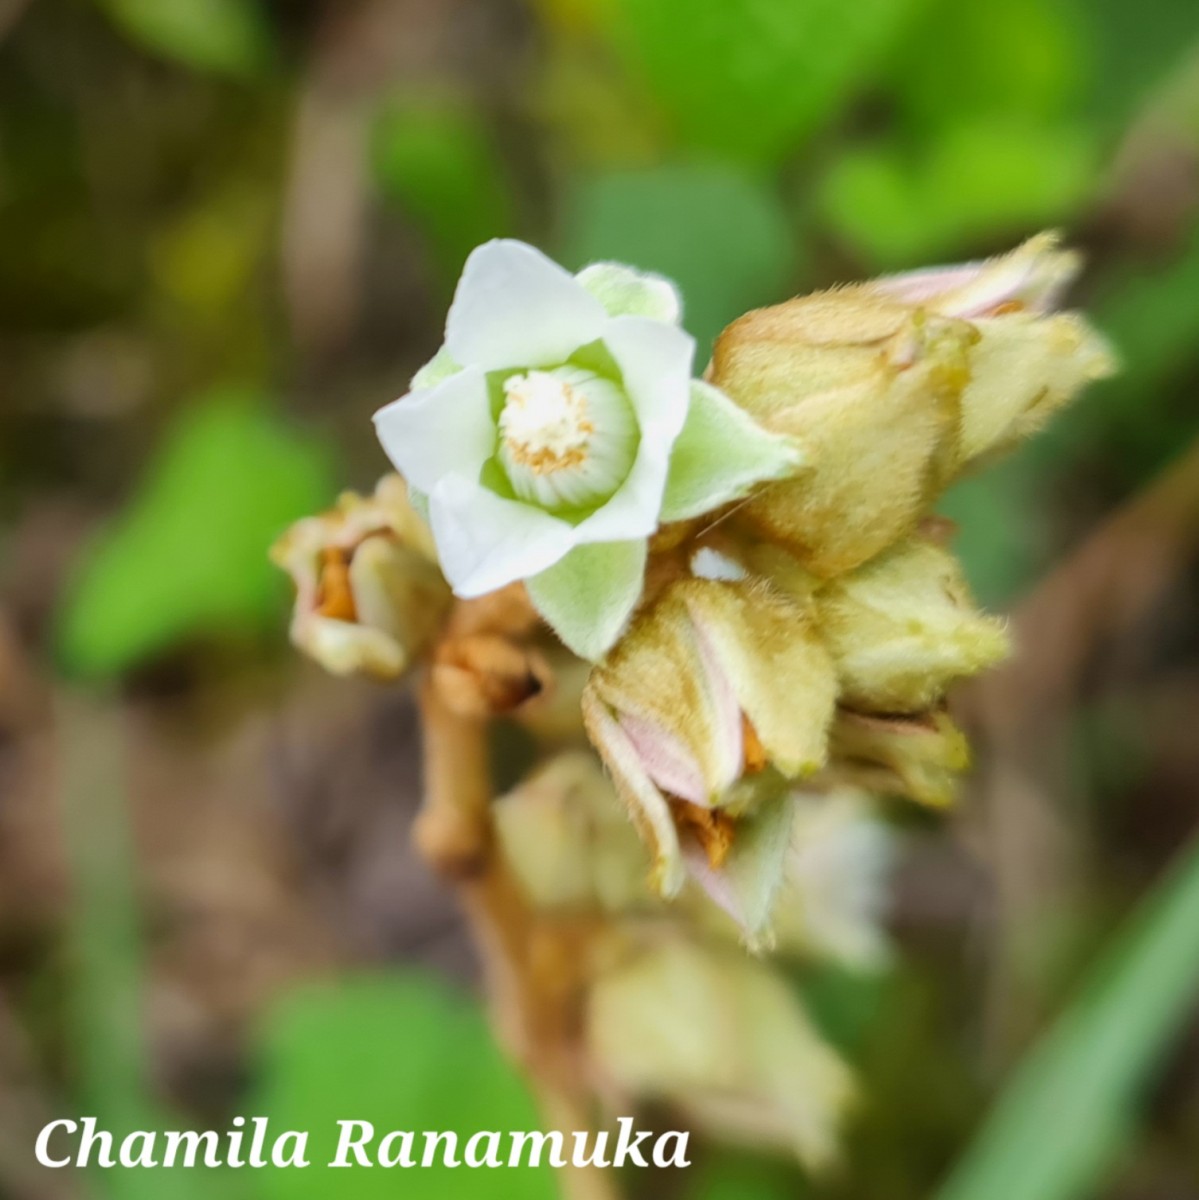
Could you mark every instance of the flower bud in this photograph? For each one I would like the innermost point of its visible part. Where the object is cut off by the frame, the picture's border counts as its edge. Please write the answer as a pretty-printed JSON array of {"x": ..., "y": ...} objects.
[
  {"x": 568, "y": 843},
  {"x": 903, "y": 626},
  {"x": 723, "y": 1038},
  {"x": 368, "y": 595},
  {"x": 893, "y": 387},
  {"x": 1027, "y": 362},
  {"x": 917, "y": 757},
  {"x": 871, "y": 388},
  {"x": 712, "y": 685}
]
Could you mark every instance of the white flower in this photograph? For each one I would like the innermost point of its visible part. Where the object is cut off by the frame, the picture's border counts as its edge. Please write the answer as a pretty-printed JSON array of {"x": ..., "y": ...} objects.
[{"x": 558, "y": 428}]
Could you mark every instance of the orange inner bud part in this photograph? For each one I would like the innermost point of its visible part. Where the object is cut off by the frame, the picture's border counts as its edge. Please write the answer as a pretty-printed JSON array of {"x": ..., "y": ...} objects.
[
  {"x": 334, "y": 598},
  {"x": 752, "y": 749},
  {"x": 713, "y": 829}
]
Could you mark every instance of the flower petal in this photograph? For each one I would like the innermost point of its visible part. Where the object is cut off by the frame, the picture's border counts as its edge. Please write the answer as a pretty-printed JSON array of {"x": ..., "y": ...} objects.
[
  {"x": 903, "y": 627},
  {"x": 647, "y": 806},
  {"x": 586, "y": 597},
  {"x": 917, "y": 757},
  {"x": 625, "y": 292},
  {"x": 448, "y": 429},
  {"x": 485, "y": 541},
  {"x": 655, "y": 360},
  {"x": 749, "y": 880},
  {"x": 633, "y": 512},
  {"x": 516, "y": 308},
  {"x": 720, "y": 455},
  {"x": 724, "y": 1038},
  {"x": 1023, "y": 370},
  {"x": 768, "y": 648},
  {"x": 837, "y": 880},
  {"x": 666, "y": 758},
  {"x": 664, "y": 674},
  {"x": 1033, "y": 276}
]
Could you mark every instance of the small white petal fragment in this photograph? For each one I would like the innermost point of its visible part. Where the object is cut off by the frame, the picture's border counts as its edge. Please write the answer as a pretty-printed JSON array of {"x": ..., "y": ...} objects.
[
  {"x": 708, "y": 563},
  {"x": 516, "y": 308}
]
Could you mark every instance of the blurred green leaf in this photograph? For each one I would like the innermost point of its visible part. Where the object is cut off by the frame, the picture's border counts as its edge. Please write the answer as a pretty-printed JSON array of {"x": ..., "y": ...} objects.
[
  {"x": 1138, "y": 45},
  {"x": 437, "y": 161},
  {"x": 844, "y": 1003},
  {"x": 403, "y": 1052},
  {"x": 1068, "y": 1113},
  {"x": 1022, "y": 58},
  {"x": 205, "y": 256},
  {"x": 1151, "y": 316},
  {"x": 1002, "y": 536},
  {"x": 977, "y": 179},
  {"x": 750, "y": 79},
  {"x": 226, "y": 36},
  {"x": 188, "y": 555},
  {"x": 720, "y": 234},
  {"x": 105, "y": 957},
  {"x": 729, "y": 1176}
]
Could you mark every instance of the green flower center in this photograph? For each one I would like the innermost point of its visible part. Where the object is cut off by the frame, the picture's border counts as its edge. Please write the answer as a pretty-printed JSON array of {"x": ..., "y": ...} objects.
[{"x": 568, "y": 437}]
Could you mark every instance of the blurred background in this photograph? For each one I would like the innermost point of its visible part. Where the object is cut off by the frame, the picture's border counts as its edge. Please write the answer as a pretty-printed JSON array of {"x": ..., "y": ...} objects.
[{"x": 229, "y": 230}]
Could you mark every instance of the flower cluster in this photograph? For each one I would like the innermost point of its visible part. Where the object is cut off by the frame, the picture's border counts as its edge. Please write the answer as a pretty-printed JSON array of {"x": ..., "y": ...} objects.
[{"x": 736, "y": 585}]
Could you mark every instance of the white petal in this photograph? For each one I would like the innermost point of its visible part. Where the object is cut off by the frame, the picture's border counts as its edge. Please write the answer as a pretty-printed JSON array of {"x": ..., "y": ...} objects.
[
  {"x": 633, "y": 510},
  {"x": 516, "y": 308},
  {"x": 447, "y": 429},
  {"x": 485, "y": 542},
  {"x": 655, "y": 360}
]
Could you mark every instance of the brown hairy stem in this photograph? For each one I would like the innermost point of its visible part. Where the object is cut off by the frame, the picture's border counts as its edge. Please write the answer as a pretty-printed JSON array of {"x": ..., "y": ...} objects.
[{"x": 532, "y": 966}]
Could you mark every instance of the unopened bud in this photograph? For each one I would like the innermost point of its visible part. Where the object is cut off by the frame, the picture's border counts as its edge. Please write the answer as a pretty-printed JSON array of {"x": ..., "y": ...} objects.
[
  {"x": 871, "y": 389},
  {"x": 723, "y": 1037},
  {"x": 718, "y": 692},
  {"x": 920, "y": 757},
  {"x": 369, "y": 596},
  {"x": 903, "y": 627},
  {"x": 567, "y": 841}
]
